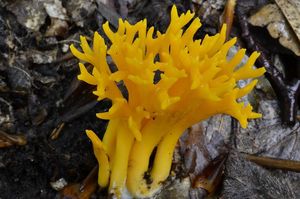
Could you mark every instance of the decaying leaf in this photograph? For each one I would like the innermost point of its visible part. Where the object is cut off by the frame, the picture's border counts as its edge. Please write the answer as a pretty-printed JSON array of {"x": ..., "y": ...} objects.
[
  {"x": 271, "y": 17},
  {"x": 291, "y": 11},
  {"x": 80, "y": 10},
  {"x": 55, "y": 9},
  {"x": 59, "y": 17},
  {"x": 57, "y": 28},
  {"x": 19, "y": 77},
  {"x": 29, "y": 13},
  {"x": 42, "y": 57}
]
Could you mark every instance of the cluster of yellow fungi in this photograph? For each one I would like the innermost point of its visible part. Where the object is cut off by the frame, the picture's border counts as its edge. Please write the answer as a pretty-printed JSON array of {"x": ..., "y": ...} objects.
[{"x": 196, "y": 82}]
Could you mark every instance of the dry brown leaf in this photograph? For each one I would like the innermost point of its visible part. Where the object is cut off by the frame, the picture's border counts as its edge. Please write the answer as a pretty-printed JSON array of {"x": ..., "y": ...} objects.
[
  {"x": 291, "y": 11},
  {"x": 58, "y": 27},
  {"x": 271, "y": 17}
]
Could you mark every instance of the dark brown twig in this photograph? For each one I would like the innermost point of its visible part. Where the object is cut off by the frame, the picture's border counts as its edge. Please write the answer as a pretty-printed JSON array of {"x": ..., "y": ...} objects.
[
  {"x": 274, "y": 163},
  {"x": 287, "y": 91}
]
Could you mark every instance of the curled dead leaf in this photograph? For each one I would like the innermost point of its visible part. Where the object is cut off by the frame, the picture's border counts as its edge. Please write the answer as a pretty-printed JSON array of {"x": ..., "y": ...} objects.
[
  {"x": 271, "y": 17},
  {"x": 291, "y": 11}
]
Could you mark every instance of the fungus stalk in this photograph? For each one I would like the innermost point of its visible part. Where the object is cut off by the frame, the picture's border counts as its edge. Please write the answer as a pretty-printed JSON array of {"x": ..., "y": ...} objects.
[{"x": 197, "y": 81}]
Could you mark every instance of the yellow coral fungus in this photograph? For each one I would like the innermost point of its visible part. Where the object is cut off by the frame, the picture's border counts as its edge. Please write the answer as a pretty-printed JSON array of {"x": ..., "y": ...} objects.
[{"x": 196, "y": 82}]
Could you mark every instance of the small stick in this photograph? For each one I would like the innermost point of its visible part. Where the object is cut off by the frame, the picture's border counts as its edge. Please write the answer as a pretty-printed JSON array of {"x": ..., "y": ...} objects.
[
  {"x": 274, "y": 163},
  {"x": 55, "y": 133}
]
